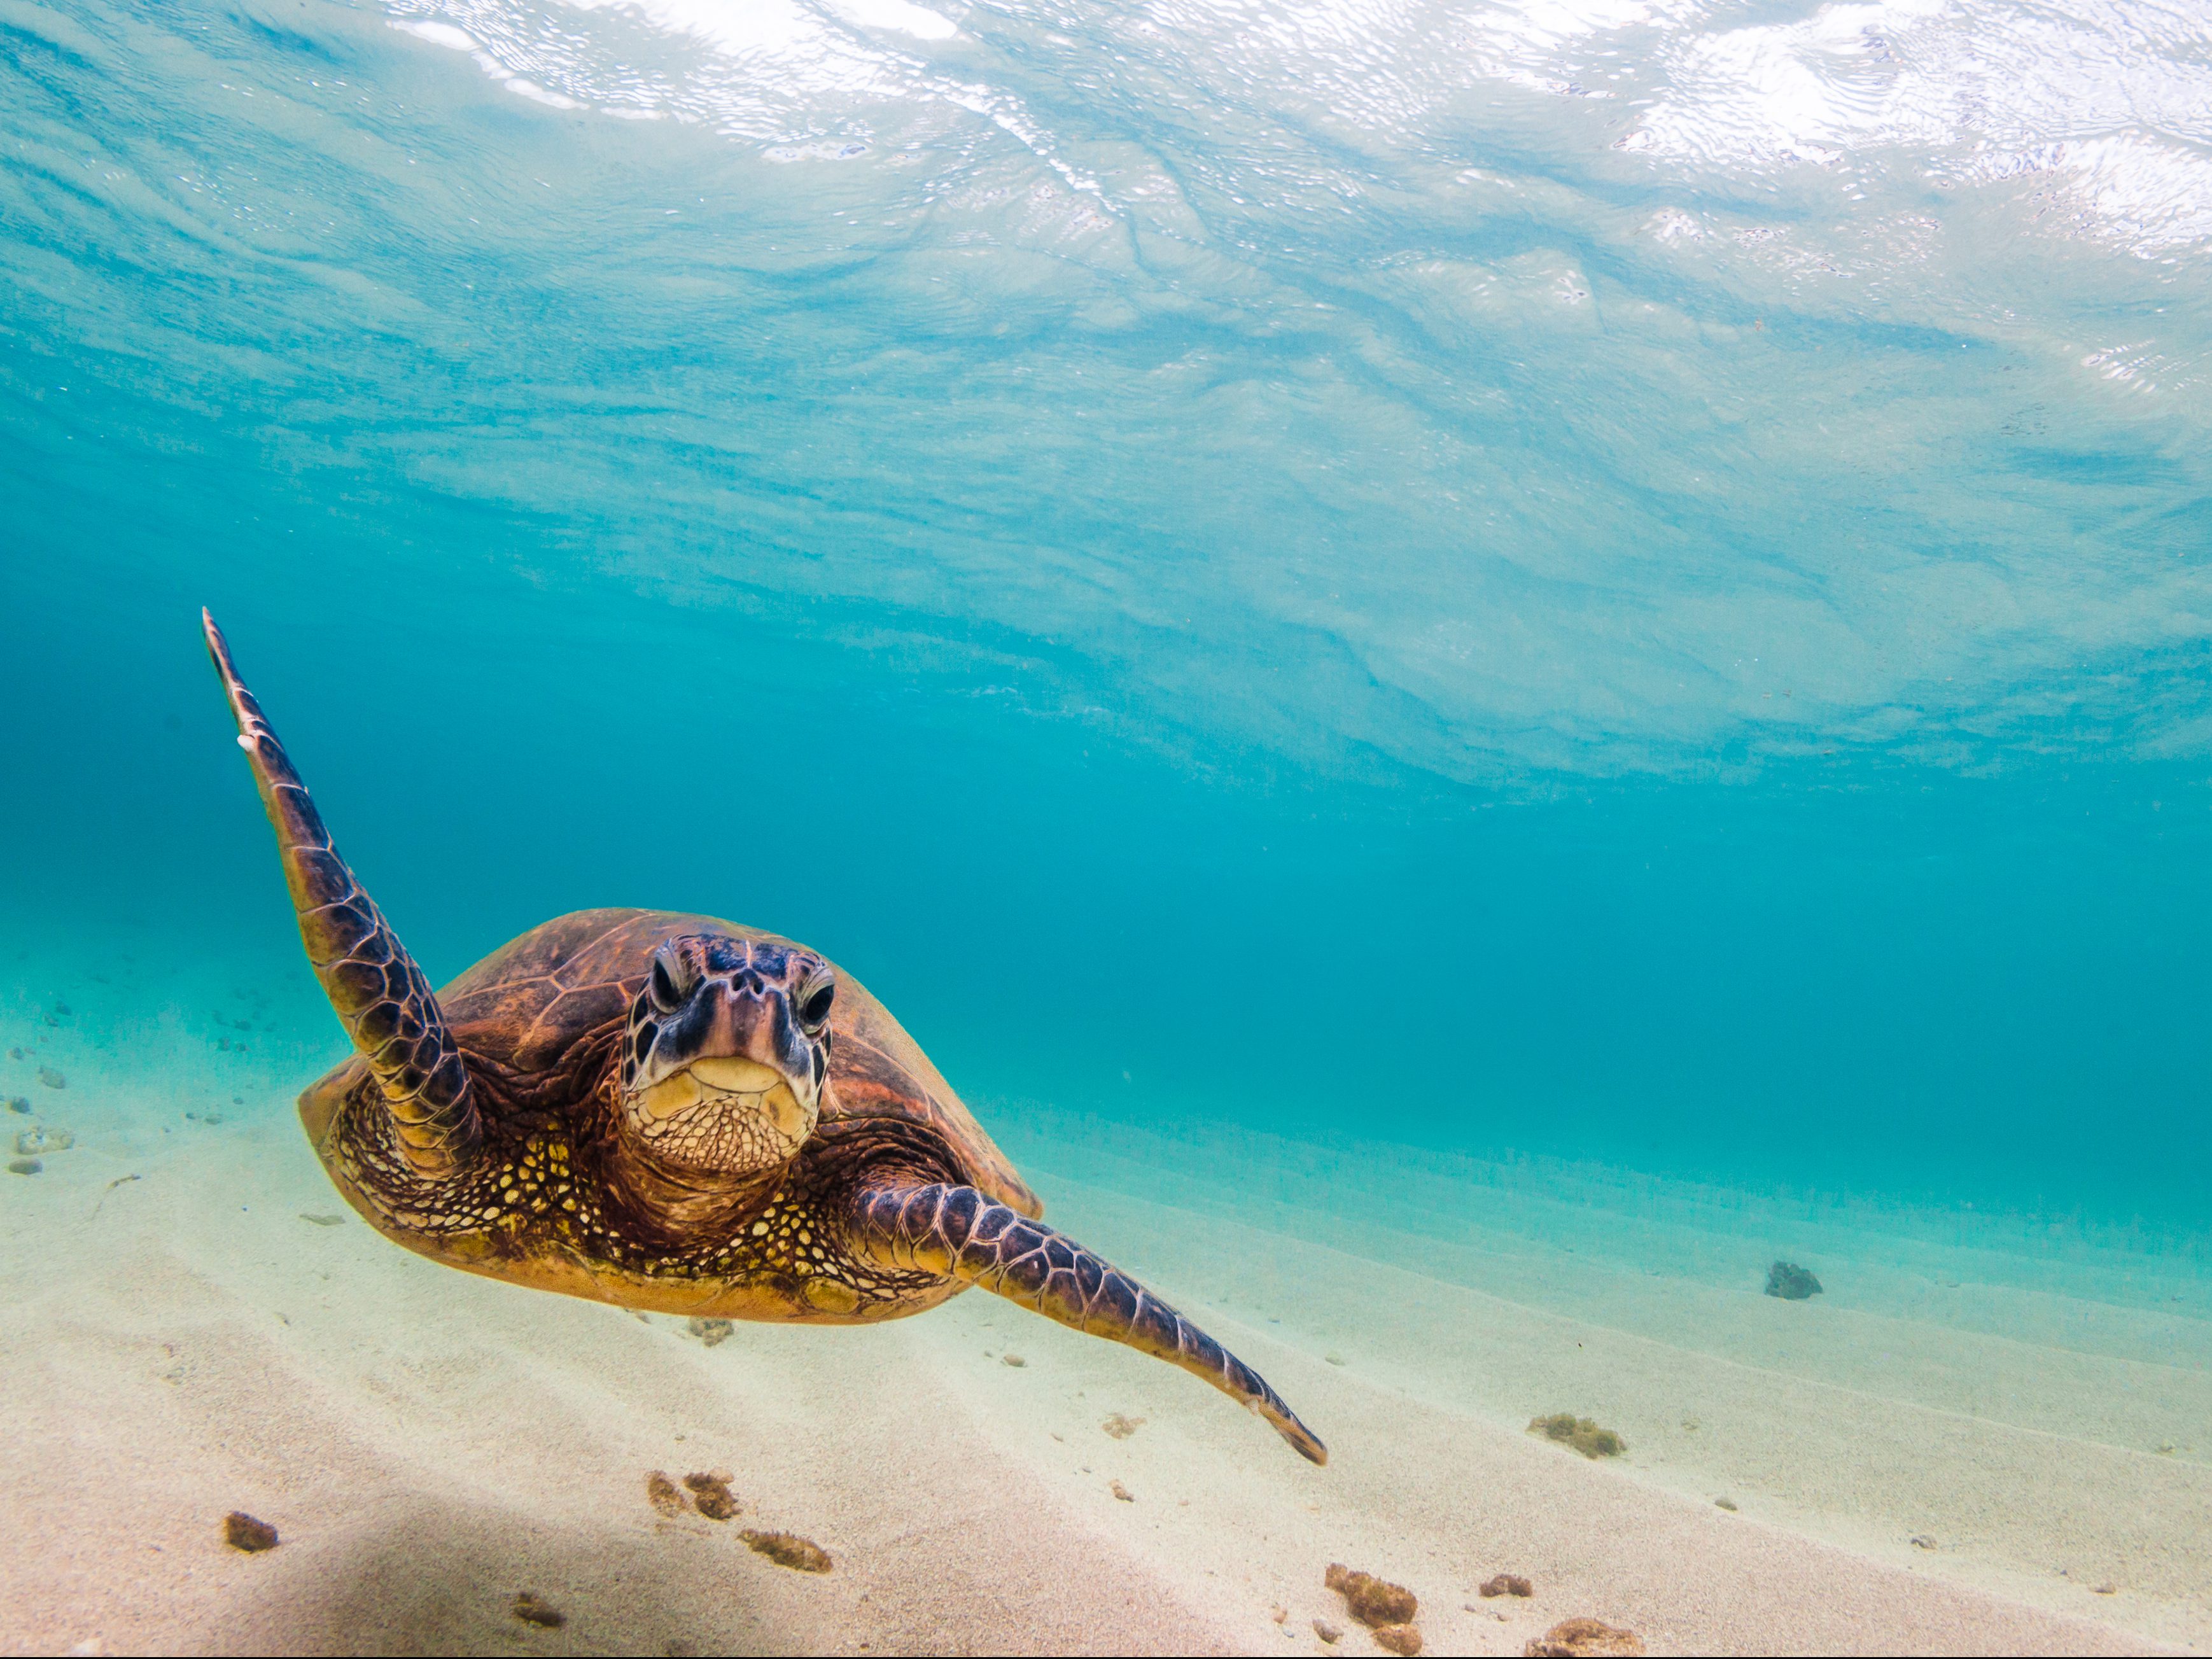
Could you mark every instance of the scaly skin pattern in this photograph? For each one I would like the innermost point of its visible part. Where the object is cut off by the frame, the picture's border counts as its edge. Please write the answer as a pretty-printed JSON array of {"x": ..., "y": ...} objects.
[
  {"x": 541, "y": 1204},
  {"x": 870, "y": 1223},
  {"x": 484, "y": 1126},
  {"x": 380, "y": 995},
  {"x": 940, "y": 1228}
]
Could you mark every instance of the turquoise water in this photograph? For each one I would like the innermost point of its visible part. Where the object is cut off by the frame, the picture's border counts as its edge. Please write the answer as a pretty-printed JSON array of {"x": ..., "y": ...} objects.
[
  {"x": 1618, "y": 589},
  {"x": 1357, "y": 607}
]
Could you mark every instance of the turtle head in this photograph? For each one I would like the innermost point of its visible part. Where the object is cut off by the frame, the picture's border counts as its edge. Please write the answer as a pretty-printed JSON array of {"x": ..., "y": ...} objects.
[{"x": 726, "y": 1047}]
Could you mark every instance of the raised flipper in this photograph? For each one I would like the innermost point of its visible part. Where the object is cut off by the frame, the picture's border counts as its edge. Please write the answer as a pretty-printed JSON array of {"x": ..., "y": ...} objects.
[
  {"x": 959, "y": 1232},
  {"x": 381, "y": 998}
]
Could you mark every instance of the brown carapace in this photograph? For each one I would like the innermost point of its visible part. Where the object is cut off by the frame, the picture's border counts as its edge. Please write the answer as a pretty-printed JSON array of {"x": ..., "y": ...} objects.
[{"x": 672, "y": 1113}]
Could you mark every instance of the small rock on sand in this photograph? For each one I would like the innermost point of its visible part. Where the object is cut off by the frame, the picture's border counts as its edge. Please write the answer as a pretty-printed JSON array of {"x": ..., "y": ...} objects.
[
  {"x": 1373, "y": 1602},
  {"x": 1120, "y": 1492},
  {"x": 20, "y": 1104},
  {"x": 322, "y": 1220},
  {"x": 536, "y": 1610},
  {"x": 242, "y": 1532},
  {"x": 1583, "y": 1639},
  {"x": 1013, "y": 1359},
  {"x": 53, "y": 1079},
  {"x": 1727, "y": 1504},
  {"x": 1327, "y": 1632},
  {"x": 24, "y": 1166},
  {"x": 32, "y": 1142},
  {"x": 1507, "y": 1583},
  {"x": 787, "y": 1549},
  {"x": 711, "y": 1493},
  {"x": 663, "y": 1494},
  {"x": 1791, "y": 1282},
  {"x": 1404, "y": 1640},
  {"x": 709, "y": 1331},
  {"x": 1120, "y": 1427}
]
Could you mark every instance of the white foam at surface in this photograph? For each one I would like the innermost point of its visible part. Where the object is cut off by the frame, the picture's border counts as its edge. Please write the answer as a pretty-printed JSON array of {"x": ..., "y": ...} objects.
[
  {"x": 2116, "y": 100},
  {"x": 437, "y": 34},
  {"x": 1604, "y": 430},
  {"x": 537, "y": 95},
  {"x": 908, "y": 19}
]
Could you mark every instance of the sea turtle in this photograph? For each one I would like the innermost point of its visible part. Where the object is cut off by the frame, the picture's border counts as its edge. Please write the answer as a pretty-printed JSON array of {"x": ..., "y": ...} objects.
[{"x": 672, "y": 1113}]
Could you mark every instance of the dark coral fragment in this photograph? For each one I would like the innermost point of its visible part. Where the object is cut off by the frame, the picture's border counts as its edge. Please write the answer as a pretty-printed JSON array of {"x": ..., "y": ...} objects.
[
  {"x": 1584, "y": 1638},
  {"x": 1791, "y": 1282},
  {"x": 242, "y": 1532},
  {"x": 1373, "y": 1602},
  {"x": 536, "y": 1610},
  {"x": 1507, "y": 1583},
  {"x": 787, "y": 1549},
  {"x": 711, "y": 1493}
]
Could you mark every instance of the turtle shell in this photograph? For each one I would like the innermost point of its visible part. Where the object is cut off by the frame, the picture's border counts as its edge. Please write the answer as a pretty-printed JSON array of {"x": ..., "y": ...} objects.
[{"x": 528, "y": 1002}]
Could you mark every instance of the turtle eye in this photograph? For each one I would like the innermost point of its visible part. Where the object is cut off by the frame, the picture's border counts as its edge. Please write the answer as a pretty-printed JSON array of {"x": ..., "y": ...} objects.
[
  {"x": 816, "y": 998},
  {"x": 664, "y": 985}
]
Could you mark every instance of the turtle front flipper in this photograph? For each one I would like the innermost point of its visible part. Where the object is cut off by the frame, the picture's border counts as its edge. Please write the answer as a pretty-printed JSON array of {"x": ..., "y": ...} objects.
[
  {"x": 381, "y": 998},
  {"x": 961, "y": 1233}
]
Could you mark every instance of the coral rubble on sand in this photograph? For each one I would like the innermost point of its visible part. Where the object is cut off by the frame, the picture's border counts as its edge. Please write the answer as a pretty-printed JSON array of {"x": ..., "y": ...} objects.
[
  {"x": 1791, "y": 1282},
  {"x": 710, "y": 1495},
  {"x": 1580, "y": 1432},
  {"x": 536, "y": 1610},
  {"x": 1583, "y": 1639},
  {"x": 1385, "y": 1608},
  {"x": 242, "y": 1532},
  {"x": 789, "y": 1550}
]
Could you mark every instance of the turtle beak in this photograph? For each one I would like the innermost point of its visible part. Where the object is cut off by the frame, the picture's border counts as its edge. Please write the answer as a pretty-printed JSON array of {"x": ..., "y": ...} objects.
[
  {"x": 737, "y": 1082},
  {"x": 753, "y": 1042},
  {"x": 725, "y": 1113},
  {"x": 748, "y": 1085}
]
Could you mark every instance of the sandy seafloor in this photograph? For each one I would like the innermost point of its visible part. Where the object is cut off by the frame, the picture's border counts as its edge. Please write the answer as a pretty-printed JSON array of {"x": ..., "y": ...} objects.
[{"x": 2033, "y": 1405}]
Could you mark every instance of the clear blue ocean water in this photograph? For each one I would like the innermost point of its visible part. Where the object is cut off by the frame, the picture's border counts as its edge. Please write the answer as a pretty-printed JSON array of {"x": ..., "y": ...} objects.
[
  {"x": 1624, "y": 588},
  {"x": 1369, "y": 606}
]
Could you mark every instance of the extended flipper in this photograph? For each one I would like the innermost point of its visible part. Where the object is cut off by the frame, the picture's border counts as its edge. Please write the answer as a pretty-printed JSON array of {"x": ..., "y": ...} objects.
[
  {"x": 959, "y": 1232},
  {"x": 381, "y": 998}
]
